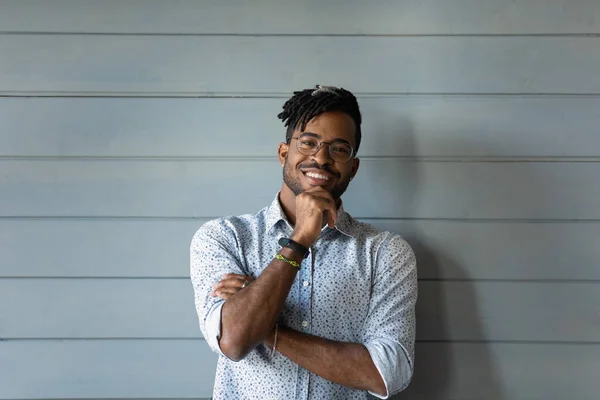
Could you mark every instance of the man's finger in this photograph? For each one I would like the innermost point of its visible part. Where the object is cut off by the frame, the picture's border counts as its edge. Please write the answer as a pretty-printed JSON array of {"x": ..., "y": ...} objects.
[
  {"x": 229, "y": 283},
  {"x": 223, "y": 295},
  {"x": 330, "y": 210},
  {"x": 228, "y": 290},
  {"x": 237, "y": 283},
  {"x": 330, "y": 219},
  {"x": 225, "y": 291},
  {"x": 233, "y": 278},
  {"x": 231, "y": 275}
]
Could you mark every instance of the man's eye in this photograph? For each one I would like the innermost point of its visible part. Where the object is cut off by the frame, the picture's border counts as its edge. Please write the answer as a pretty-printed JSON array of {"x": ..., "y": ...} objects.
[
  {"x": 308, "y": 143},
  {"x": 343, "y": 150}
]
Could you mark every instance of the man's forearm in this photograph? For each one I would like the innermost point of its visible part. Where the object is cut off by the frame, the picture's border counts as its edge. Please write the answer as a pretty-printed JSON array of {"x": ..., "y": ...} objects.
[
  {"x": 348, "y": 364},
  {"x": 248, "y": 316}
]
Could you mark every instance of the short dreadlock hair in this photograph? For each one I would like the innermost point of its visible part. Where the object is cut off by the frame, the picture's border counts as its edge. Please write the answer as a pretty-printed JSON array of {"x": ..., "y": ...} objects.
[{"x": 306, "y": 104}]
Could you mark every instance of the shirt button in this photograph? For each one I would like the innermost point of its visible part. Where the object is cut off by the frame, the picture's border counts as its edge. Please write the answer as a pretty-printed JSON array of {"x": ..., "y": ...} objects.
[
  {"x": 304, "y": 324},
  {"x": 305, "y": 283}
]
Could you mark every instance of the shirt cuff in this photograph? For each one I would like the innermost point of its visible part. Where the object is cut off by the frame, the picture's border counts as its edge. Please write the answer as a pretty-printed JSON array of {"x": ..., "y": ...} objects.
[
  {"x": 392, "y": 362},
  {"x": 213, "y": 327}
]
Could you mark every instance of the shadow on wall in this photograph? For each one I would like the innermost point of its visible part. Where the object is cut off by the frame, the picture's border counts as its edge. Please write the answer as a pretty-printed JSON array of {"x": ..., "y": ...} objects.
[{"x": 444, "y": 369}]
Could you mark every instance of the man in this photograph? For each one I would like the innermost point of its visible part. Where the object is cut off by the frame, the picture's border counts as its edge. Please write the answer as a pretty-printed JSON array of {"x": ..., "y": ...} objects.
[{"x": 301, "y": 300}]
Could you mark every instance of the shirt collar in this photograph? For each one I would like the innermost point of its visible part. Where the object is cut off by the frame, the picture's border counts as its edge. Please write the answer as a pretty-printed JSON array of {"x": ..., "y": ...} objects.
[{"x": 275, "y": 214}]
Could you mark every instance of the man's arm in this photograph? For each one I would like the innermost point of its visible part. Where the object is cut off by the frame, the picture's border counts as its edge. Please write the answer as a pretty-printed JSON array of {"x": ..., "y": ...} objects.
[
  {"x": 383, "y": 363},
  {"x": 248, "y": 317},
  {"x": 234, "y": 326},
  {"x": 348, "y": 364}
]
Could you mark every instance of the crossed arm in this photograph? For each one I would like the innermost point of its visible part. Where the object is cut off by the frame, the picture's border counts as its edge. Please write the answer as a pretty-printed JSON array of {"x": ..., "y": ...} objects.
[
  {"x": 348, "y": 364},
  {"x": 335, "y": 361},
  {"x": 382, "y": 363}
]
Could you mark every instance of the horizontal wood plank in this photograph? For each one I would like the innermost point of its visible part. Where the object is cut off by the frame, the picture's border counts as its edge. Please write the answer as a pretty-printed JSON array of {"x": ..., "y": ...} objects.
[
  {"x": 197, "y": 188},
  {"x": 213, "y": 64},
  {"x": 465, "y": 250},
  {"x": 159, "y": 308},
  {"x": 103, "y": 308},
  {"x": 301, "y": 17},
  {"x": 422, "y": 126},
  {"x": 160, "y": 248},
  {"x": 508, "y": 311},
  {"x": 83, "y": 369},
  {"x": 504, "y": 372},
  {"x": 96, "y": 247},
  {"x": 170, "y": 369}
]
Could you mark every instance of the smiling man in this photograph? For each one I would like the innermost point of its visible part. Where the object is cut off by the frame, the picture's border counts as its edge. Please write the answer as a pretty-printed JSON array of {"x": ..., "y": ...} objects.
[{"x": 300, "y": 300}]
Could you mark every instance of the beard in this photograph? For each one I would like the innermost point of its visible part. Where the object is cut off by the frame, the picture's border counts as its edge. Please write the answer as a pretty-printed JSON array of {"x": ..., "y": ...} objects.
[{"x": 293, "y": 180}]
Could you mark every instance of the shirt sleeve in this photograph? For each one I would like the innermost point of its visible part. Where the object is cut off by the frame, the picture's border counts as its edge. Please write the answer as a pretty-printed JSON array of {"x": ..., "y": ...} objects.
[
  {"x": 389, "y": 331},
  {"x": 213, "y": 253}
]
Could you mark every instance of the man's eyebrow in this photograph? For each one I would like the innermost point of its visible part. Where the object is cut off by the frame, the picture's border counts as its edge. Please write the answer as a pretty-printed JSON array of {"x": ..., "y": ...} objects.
[{"x": 317, "y": 136}]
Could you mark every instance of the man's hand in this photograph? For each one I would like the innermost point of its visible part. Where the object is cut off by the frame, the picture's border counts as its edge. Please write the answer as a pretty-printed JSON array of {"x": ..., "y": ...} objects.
[
  {"x": 313, "y": 207},
  {"x": 230, "y": 284}
]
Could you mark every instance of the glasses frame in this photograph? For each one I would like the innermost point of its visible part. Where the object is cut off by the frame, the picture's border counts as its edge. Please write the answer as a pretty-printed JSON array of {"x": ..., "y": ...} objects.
[{"x": 321, "y": 143}]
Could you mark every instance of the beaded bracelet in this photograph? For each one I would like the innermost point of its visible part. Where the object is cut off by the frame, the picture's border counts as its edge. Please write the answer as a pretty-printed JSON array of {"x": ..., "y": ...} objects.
[{"x": 287, "y": 260}]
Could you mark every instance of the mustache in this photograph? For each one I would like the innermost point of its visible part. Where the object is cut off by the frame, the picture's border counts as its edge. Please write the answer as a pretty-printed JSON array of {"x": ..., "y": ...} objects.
[{"x": 321, "y": 167}]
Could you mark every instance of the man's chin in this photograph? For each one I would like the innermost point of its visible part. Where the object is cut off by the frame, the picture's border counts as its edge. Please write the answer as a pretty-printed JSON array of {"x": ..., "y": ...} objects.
[{"x": 329, "y": 188}]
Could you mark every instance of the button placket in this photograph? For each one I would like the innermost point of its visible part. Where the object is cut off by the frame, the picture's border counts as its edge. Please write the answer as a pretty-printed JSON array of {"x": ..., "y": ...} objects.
[{"x": 305, "y": 294}]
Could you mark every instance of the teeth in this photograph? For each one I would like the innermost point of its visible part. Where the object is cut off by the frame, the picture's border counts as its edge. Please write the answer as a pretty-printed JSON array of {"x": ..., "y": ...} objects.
[{"x": 317, "y": 176}]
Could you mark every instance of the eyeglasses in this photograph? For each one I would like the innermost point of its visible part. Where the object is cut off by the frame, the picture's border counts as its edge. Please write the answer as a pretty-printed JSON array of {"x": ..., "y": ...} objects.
[{"x": 339, "y": 151}]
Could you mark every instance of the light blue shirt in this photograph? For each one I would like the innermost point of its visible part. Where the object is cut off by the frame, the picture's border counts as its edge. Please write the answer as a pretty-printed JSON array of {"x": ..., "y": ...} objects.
[{"x": 358, "y": 284}]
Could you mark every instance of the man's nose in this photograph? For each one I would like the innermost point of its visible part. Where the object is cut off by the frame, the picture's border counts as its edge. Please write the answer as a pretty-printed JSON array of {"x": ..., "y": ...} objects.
[{"x": 322, "y": 155}]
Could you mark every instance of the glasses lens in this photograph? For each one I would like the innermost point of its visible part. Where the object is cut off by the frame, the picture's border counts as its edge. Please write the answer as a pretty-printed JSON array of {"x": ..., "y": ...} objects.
[
  {"x": 340, "y": 152},
  {"x": 307, "y": 145}
]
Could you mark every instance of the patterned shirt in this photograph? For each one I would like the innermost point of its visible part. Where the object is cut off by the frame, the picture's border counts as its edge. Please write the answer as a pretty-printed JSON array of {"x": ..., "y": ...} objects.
[{"x": 357, "y": 285}]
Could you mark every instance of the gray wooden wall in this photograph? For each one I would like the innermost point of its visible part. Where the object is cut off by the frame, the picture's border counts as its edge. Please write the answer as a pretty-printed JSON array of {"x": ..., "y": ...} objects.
[{"x": 124, "y": 125}]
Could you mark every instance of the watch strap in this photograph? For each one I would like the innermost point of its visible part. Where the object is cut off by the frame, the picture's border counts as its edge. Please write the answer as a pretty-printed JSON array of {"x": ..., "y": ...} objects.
[{"x": 297, "y": 247}]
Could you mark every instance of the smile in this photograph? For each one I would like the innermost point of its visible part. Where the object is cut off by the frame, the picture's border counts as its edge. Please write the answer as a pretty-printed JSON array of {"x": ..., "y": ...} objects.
[{"x": 314, "y": 175}]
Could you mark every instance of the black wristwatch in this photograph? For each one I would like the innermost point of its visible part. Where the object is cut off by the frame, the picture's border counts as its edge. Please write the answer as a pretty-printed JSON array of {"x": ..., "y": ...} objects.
[{"x": 297, "y": 247}]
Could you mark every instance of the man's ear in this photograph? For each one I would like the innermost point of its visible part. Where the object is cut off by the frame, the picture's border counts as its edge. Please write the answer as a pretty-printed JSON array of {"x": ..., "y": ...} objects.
[
  {"x": 355, "y": 165},
  {"x": 282, "y": 153}
]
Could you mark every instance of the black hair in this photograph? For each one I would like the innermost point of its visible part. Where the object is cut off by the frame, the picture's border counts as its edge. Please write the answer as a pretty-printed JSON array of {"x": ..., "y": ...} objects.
[{"x": 306, "y": 104}]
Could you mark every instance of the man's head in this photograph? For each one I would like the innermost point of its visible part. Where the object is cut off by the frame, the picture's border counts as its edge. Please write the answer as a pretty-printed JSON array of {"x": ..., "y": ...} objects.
[{"x": 322, "y": 138}]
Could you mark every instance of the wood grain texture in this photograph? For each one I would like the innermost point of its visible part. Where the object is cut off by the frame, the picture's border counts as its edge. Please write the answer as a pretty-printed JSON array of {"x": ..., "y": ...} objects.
[
  {"x": 206, "y": 65},
  {"x": 407, "y": 126},
  {"x": 302, "y": 17}
]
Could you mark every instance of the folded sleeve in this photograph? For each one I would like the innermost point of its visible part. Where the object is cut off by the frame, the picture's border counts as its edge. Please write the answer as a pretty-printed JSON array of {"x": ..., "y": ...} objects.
[
  {"x": 213, "y": 253},
  {"x": 389, "y": 331}
]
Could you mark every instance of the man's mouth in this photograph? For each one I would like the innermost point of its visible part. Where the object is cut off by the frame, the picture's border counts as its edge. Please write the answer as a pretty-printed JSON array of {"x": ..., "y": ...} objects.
[{"x": 317, "y": 178}]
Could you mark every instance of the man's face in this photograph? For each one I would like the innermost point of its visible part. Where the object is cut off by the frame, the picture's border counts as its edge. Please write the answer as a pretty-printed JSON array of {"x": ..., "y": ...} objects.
[{"x": 301, "y": 172}]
